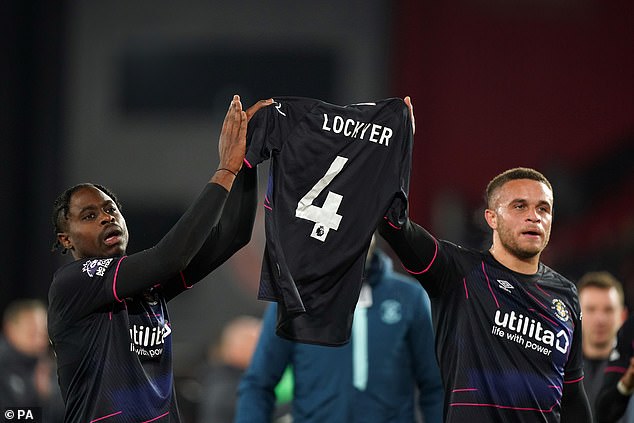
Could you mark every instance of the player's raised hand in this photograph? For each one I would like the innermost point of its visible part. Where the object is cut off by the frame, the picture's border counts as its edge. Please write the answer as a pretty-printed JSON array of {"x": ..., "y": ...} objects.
[
  {"x": 233, "y": 138},
  {"x": 628, "y": 377},
  {"x": 410, "y": 106}
]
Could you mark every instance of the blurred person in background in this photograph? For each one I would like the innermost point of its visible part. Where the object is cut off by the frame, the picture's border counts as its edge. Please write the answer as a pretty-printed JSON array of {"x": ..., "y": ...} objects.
[
  {"x": 26, "y": 368},
  {"x": 228, "y": 361},
  {"x": 614, "y": 400},
  {"x": 603, "y": 309},
  {"x": 386, "y": 373}
]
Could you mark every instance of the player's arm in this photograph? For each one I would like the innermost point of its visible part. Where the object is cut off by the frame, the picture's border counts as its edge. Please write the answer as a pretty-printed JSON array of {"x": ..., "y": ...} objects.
[
  {"x": 173, "y": 253},
  {"x": 611, "y": 403},
  {"x": 575, "y": 407},
  {"x": 233, "y": 230},
  {"x": 235, "y": 226},
  {"x": 256, "y": 392},
  {"x": 612, "y": 400},
  {"x": 416, "y": 248}
]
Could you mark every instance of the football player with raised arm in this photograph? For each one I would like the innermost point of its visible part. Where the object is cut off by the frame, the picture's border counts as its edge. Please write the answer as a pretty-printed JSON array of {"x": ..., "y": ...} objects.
[
  {"x": 508, "y": 327},
  {"x": 108, "y": 319}
]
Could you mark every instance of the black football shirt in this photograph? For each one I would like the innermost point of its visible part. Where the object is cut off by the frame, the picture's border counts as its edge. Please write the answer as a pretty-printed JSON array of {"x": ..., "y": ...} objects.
[
  {"x": 506, "y": 342},
  {"x": 114, "y": 354},
  {"x": 335, "y": 171},
  {"x": 515, "y": 342}
]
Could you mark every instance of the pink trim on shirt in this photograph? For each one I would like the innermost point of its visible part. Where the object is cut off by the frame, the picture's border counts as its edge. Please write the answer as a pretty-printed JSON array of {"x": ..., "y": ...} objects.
[
  {"x": 545, "y": 293},
  {"x": 507, "y": 407},
  {"x": 466, "y": 291},
  {"x": 246, "y": 162},
  {"x": 114, "y": 281},
  {"x": 574, "y": 381},
  {"x": 184, "y": 281},
  {"x": 268, "y": 207},
  {"x": 433, "y": 259},
  {"x": 391, "y": 224},
  {"x": 539, "y": 302},
  {"x": 615, "y": 369},
  {"x": 105, "y": 417},
  {"x": 489, "y": 283},
  {"x": 465, "y": 390},
  {"x": 156, "y": 418}
]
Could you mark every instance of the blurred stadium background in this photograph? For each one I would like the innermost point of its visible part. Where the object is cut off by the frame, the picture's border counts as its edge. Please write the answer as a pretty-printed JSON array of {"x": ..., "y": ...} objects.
[{"x": 131, "y": 95}]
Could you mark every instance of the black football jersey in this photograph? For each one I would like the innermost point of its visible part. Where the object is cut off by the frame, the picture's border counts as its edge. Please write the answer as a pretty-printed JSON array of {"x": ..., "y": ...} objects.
[
  {"x": 506, "y": 342},
  {"x": 114, "y": 354},
  {"x": 335, "y": 171}
]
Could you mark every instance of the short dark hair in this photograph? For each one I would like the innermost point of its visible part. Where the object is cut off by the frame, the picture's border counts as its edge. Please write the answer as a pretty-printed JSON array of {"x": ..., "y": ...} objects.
[
  {"x": 602, "y": 280},
  {"x": 511, "y": 175},
  {"x": 61, "y": 206}
]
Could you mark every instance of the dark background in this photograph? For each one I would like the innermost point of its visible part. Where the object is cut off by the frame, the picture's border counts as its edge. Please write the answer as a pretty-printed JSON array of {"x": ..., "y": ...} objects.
[{"x": 132, "y": 96}]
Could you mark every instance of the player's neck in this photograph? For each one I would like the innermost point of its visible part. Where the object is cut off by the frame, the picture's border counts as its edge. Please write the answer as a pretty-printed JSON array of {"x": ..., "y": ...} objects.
[{"x": 526, "y": 266}]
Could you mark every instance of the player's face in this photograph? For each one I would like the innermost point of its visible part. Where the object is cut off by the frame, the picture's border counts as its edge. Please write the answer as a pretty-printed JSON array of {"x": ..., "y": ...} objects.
[
  {"x": 602, "y": 315},
  {"x": 95, "y": 227},
  {"x": 523, "y": 217}
]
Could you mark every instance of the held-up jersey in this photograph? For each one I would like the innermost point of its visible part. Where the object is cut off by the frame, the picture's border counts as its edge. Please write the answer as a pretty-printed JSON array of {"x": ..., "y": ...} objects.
[
  {"x": 335, "y": 172},
  {"x": 114, "y": 363}
]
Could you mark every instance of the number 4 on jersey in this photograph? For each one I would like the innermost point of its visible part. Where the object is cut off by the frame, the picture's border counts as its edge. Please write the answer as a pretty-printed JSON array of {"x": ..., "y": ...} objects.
[{"x": 325, "y": 217}]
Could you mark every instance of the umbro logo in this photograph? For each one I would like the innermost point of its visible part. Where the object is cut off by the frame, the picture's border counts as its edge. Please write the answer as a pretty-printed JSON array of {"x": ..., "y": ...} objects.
[{"x": 505, "y": 285}]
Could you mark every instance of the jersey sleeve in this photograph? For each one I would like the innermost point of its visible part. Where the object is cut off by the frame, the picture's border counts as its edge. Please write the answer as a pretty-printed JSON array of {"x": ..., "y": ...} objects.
[
  {"x": 424, "y": 257},
  {"x": 396, "y": 214},
  {"x": 230, "y": 234},
  {"x": 82, "y": 287},
  {"x": 573, "y": 371},
  {"x": 174, "y": 252},
  {"x": 270, "y": 126}
]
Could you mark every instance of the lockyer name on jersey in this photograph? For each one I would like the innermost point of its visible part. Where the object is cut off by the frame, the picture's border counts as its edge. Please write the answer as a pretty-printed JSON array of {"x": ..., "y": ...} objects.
[{"x": 355, "y": 129}]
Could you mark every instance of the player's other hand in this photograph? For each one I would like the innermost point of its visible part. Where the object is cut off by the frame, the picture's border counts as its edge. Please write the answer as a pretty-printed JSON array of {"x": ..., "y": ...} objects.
[
  {"x": 410, "y": 106},
  {"x": 233, "y": 137},
  {"x": 257, "y": 106},
  {"x": 628, "y": 377}
]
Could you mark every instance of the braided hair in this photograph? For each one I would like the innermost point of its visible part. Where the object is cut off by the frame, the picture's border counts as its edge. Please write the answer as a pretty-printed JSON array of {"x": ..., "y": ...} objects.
[{"x": 61, "y": 206}]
